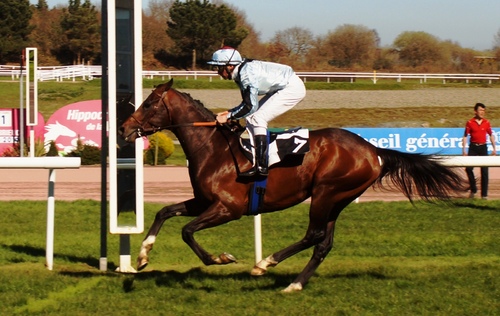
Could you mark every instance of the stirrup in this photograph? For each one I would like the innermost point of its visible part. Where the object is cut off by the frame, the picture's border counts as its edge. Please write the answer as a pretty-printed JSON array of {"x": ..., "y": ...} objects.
[
  {"x": 249, "y": 173},
  {"x": 263, "y": 171}
]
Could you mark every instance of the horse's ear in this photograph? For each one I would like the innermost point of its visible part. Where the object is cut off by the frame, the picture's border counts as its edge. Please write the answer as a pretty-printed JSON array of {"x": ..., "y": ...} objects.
[{"x": 169, "y": 84}]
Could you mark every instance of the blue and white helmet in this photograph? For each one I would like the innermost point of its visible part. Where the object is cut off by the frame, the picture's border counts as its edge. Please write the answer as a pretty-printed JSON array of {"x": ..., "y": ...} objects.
[{"x": 226, "y": 56}]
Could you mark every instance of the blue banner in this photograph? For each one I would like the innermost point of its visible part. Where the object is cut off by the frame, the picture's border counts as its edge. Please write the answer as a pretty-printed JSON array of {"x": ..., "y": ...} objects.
[{"x": 439, "y": 141}]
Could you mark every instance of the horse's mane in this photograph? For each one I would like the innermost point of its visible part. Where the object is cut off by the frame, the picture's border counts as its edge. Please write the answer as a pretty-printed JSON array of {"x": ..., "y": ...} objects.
[{"x": 209, "y": 115}]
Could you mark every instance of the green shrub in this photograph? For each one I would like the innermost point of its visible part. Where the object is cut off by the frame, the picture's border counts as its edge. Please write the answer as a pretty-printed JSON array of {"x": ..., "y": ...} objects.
[
  {"x": 53, "y": 152},
  {"x": 89, "y": 155},
  {"x": 160, "y": 148}
]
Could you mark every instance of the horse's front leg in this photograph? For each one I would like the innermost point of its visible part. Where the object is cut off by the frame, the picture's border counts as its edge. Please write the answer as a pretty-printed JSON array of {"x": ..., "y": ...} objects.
[
  {"x": 187, "y": 208},
  {"x": 217, "y": 214}
]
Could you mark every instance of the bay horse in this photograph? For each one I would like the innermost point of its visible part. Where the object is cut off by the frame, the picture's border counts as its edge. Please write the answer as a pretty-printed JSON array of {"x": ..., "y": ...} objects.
[{"x": 339, "y": 167}]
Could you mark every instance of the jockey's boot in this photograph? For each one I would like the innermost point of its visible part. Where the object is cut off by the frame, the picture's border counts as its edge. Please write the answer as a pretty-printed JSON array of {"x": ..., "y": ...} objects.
[
  {"x": 261, "y": 155},
  {"x": 260, "y": 166}
]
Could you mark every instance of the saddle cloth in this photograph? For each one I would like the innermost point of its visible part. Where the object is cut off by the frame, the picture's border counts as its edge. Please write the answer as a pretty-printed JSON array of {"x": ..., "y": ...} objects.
[{"x": 281, "y": 144}]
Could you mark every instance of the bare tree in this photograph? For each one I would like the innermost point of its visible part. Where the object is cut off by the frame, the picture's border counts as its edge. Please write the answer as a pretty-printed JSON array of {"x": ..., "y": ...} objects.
[
  {"x": 155, "y": 42},
  {"x": 496, "y": 47},
  {"x": 496, "y": 40},
  {"x": 292, "y": 45}
]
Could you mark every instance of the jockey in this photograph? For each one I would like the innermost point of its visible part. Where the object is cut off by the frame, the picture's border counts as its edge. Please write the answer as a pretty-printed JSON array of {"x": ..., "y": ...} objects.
[{"x": 280, "y": 87}]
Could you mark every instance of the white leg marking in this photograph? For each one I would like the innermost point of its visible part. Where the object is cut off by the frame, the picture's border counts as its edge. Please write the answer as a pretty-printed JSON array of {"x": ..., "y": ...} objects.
[
  {"x": 146, "y": 245},
  {"x": 293, "y": 287},
  {"x": 269, "y": 261}
]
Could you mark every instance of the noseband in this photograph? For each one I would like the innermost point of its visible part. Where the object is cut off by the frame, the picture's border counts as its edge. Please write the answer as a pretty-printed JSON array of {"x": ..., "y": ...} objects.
[{"x": 142, "y": 130}]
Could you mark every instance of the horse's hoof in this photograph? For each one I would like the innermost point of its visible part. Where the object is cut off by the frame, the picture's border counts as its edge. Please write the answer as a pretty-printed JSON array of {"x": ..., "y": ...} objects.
[
  {"x": 257, "y": 271},
  {"x": 141, "y": 264},
  {"x": 294, "y": 287},
  {"x": 226, "y": 258}
]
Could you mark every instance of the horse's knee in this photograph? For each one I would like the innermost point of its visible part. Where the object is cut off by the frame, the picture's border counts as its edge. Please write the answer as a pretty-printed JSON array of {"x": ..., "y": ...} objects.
[
  {"x": 187, "y": 234},
  {"x": 314, "y": 237}
]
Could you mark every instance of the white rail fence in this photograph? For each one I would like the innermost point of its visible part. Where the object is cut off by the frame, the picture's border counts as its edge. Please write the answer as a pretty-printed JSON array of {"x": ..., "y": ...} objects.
[
  {"x": 51, "y": 164},
  {"x": 88, "y": 72}
]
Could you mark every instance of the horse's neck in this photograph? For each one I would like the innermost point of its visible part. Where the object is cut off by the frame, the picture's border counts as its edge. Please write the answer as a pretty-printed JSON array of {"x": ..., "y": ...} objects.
[{"x": 202, "y": 143}]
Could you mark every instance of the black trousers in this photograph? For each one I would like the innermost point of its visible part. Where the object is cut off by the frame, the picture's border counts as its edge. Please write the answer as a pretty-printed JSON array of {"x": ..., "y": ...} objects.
[{"x": 478, "y": 150}]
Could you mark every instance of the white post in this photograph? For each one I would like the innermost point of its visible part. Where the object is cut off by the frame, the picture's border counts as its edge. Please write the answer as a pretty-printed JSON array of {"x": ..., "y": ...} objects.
[
  {"x": 50, "y": 163},
  {"x": 258, "y": 237},
  {"x": 49, "y": 255},
  {"x": 31, "y": 94},
  {"x": 124, "y": 231}
]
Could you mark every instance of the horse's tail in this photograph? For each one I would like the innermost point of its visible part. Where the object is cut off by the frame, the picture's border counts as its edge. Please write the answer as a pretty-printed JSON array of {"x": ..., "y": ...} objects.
[{"x": 419, "y": 175}]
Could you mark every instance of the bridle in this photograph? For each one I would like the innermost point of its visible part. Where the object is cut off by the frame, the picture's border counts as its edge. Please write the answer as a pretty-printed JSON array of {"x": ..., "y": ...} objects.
[{"x": 142, "y": 130}]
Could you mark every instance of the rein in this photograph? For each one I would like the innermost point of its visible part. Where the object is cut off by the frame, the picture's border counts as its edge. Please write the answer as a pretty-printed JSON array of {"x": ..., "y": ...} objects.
[{"x": 146, "y": 131}]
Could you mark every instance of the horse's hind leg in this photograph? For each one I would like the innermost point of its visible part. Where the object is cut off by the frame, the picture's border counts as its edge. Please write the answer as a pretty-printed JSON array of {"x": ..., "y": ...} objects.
[
  {"x": 320, "y": 252},
  {"x": 180, "y": 209},
  {"x": 319, "y": 234}
]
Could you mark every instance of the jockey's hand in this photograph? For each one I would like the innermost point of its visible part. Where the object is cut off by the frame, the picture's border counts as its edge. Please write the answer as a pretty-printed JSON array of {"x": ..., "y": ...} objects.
[{"x": 222, "y": 117}]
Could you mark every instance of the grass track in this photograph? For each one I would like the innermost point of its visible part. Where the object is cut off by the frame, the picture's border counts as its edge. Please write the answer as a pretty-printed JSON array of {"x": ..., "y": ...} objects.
[{"x": 389, "y": 259}]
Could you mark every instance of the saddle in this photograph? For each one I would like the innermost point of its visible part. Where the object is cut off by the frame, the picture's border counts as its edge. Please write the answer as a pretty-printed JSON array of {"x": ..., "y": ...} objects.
[
  {"x": 293, "y": 141},
  {"x": 281, "y": 145}
]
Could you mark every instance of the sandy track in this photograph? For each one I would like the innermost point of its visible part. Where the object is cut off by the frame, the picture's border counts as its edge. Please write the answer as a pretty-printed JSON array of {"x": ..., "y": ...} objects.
[{"x": 162, "y": 185}]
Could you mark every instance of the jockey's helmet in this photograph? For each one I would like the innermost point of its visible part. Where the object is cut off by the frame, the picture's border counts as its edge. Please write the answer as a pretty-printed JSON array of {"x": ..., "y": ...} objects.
[{"x": 226, "y": 56}]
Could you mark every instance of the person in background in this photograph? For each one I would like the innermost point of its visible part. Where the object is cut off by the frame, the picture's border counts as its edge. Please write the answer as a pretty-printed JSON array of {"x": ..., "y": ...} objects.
[
  {"x": 478, "y": 127},
  {"x": 280, "y": 87}
]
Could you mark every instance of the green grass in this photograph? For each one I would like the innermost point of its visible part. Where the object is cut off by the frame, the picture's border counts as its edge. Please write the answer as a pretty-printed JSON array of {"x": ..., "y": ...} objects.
[{"x": 389, "y": 259}]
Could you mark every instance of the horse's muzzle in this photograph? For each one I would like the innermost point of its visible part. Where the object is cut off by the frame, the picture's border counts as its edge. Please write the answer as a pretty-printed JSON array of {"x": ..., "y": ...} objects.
[{"x": 130, "y": 137}]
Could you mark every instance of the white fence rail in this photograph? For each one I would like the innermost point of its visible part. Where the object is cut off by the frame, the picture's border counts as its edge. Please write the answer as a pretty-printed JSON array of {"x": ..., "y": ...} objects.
[
  {"x": 83, "y": 72},
  {"x": 50, "y": 163},
  {"x": 470, "y": 161}
]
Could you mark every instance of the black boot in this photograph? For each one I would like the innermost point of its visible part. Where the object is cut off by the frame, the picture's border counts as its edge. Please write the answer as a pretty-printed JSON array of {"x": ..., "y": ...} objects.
[
  {"x": 260, "y": 166},
  {"x": 261, "y": 155}
]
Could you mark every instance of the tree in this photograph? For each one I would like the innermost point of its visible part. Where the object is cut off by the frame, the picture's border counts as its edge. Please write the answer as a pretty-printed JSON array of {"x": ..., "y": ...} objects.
[
  {"x": 15, "y": 17},
  {"x": 155, "y": 42},
  {"x": 418, "y": 49},
  {"x": 199, "y": 27},
  {"x": 496, "y": 40},
  {"x": 46, "y": 34},
  {"x": 81, "y": 29},
  {"x": 350, "y": 45},
  {"x": 42, "y": 5},
  {"x": 251, "y": 46},
  {"x": 292, "y": 44},
  {"x": 496, "y": 47}
]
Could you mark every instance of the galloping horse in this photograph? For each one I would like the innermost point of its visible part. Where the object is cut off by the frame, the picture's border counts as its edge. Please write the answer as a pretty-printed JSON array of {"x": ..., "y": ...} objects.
[{"x": 339, "y": 167}]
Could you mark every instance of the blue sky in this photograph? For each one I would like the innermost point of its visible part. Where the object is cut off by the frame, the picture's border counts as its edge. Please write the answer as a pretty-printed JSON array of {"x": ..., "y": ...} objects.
[{"x": 471, "y": 23}]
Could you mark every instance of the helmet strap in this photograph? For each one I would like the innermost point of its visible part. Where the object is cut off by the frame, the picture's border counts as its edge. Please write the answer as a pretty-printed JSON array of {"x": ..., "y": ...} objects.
[{"x": 234, "y": 50}]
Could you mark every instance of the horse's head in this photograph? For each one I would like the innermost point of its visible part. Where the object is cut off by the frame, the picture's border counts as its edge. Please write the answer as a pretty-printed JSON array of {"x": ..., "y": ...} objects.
[{"x": 150, "y": 117}]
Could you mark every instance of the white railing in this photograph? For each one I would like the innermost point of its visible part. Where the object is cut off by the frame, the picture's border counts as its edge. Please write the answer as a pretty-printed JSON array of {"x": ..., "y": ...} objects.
[
  {"x": 57, "y": 73},
  {"x": 88, "y": 72},
  {"x": 50, "y": 163}
]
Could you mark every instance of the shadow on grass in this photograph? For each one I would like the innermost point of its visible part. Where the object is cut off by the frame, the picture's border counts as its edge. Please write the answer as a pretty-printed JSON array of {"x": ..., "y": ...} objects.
[
  {"x": 40, "y": 252},
  {"x": 271, "y": 281},
  {"x": 473, "y": 205}
]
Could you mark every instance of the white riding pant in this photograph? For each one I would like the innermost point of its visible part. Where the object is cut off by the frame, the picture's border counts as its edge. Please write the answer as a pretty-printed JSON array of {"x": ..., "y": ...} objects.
[{"x": 273, "y": 105}]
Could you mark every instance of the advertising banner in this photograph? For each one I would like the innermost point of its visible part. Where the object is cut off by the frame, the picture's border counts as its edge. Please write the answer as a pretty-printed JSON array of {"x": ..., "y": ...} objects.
[
  {"x": 10, "y": 128},
  {"x": 439, "y": 141},
  {"x": 81, "y": 120}
]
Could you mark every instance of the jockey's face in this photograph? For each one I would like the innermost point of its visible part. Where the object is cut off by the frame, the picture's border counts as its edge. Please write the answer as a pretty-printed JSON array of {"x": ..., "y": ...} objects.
[{"x": 225, "y": 71}]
